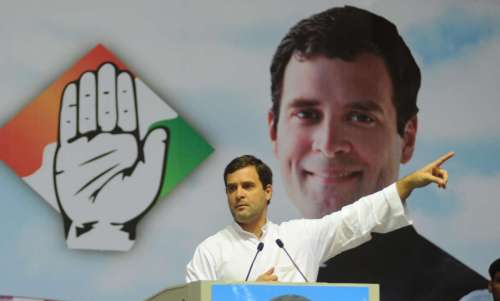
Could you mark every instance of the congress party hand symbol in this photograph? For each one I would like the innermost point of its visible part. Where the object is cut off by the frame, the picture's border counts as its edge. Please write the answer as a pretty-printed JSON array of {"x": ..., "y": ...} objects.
[{"x": 106, "y": 177}]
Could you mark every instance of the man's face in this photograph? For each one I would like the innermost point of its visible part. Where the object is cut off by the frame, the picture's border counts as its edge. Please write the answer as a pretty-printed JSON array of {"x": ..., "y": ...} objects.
[
  {"x": 494, "y": 286},
  {"x": 246, "y": 196},
  {"x": 336, "y": 138}
]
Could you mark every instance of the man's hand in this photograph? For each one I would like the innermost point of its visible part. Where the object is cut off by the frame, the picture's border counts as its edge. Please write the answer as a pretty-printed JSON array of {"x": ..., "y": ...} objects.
[
  {"x": 431, "y": 173},
  {"x": 105, "y": 174},
  {"x": 268, "y": 276}
]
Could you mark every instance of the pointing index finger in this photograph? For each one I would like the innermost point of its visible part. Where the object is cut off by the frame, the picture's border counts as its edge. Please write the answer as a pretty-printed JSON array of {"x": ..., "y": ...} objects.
[{"x": 442, "y": 159}]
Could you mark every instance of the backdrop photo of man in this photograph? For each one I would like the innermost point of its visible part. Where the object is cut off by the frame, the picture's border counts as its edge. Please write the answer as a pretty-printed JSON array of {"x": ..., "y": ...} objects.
[{"x": 344, "y": 117}]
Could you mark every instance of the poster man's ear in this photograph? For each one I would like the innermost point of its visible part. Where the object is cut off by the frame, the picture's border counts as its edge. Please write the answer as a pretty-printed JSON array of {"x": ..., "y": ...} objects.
[
  {"x": 409, "y": 139},
  {"x": 273, "y": 132},
  {"x": 272, "y": 126}
]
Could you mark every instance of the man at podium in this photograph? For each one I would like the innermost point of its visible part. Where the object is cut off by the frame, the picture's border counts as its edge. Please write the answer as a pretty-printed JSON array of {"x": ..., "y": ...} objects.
[{"x": 293, "y": 251}]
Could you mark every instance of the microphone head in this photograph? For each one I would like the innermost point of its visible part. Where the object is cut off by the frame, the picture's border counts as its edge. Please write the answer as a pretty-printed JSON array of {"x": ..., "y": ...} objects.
[
  {"x": 279, "y": 243},
  {"x": 260, "y": 246}
]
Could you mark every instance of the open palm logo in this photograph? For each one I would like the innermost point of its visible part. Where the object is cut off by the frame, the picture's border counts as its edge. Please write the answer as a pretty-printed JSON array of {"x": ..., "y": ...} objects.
[
  {"x": 117, "y": 148},
  {"x": 105, "y": 176}
]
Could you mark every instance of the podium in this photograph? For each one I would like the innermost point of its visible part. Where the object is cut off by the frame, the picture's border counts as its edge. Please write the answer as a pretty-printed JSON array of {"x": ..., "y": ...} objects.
[{"x": 267, "y": 291}]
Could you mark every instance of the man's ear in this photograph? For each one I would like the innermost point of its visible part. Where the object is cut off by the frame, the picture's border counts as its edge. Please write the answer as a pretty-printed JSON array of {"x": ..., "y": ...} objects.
[
  {"x": 409, "y": 139},
  {"x": 268, "y": 190},
  {"x": 272, "y": 128},
  {"x": 490, "y": 287}
]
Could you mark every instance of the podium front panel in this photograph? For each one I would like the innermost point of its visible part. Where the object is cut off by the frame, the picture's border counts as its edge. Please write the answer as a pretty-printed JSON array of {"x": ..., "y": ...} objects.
[{"x": 289, "y": 291}]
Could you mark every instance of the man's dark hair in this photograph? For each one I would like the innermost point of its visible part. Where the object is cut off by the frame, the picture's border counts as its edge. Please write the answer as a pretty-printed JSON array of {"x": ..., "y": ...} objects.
[
  {"x": 264, "y": 172},
  {"x": 345, "y": 33},
  {"x": 494, "y": 268},
  {"x": 289, "y": 298}
]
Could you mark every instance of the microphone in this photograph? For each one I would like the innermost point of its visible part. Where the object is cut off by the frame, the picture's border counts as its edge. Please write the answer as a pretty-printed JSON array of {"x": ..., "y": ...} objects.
[
  {"x": 260, "y": 246},
  {"x": 282, "y": 246}
]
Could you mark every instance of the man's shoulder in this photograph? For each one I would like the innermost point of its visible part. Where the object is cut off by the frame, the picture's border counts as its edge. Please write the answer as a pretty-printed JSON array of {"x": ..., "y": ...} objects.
[
  {"x": 295, "y": 225},
  {"x": 221, "y": 236},
  {"x": 404, "y": 249},
  {"x": 404, "y": 261}
]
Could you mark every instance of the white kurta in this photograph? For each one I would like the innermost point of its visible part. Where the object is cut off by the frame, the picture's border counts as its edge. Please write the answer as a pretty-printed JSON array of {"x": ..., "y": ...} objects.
[{"x": 227, "y": 254}]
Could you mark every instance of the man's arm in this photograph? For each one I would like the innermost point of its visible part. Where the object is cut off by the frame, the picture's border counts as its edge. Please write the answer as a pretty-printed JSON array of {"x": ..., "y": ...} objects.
[{"x": 379, "y": 212}]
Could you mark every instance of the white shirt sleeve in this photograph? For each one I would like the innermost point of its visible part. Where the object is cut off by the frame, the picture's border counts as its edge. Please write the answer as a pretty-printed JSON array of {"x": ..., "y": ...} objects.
[
  {"x": 380, "y": 212},
  {"x": 202, "y": 266}
]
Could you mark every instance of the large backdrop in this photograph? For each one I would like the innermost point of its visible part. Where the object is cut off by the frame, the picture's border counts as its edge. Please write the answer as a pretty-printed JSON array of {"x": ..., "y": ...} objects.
[{"x": 209, "y": 61}]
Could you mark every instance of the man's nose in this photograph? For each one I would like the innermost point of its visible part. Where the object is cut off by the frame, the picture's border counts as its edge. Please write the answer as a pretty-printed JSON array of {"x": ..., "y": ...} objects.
[
  {"x": 240, "y": 192},
  {"x": 331, "y": 139}
]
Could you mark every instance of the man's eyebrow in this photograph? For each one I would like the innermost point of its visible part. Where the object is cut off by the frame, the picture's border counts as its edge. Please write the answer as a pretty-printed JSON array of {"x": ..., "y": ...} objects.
[
  {"x": 362, "y": 105},
  {"x": 366, "y": 105},
  {"x": 302, "y": 102}
]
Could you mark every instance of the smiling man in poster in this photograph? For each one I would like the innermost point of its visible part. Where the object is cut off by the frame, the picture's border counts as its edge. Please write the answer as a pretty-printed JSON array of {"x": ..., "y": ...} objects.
[{"x": 344, "y": 117}]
